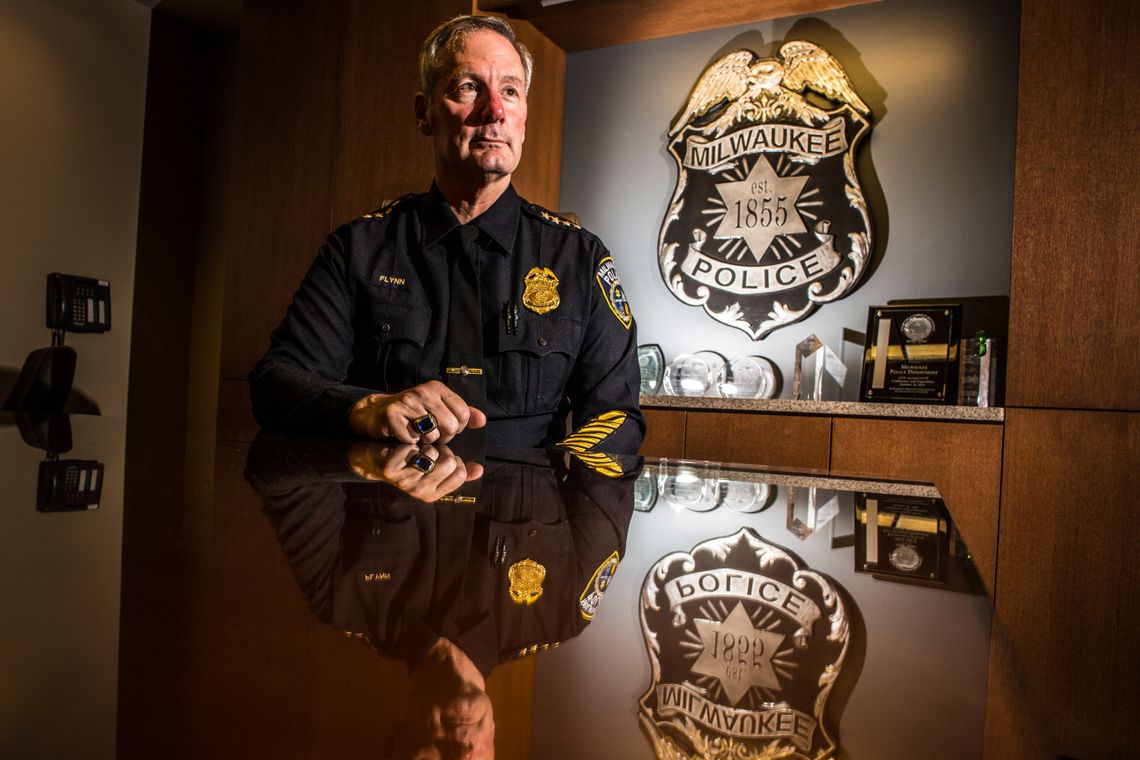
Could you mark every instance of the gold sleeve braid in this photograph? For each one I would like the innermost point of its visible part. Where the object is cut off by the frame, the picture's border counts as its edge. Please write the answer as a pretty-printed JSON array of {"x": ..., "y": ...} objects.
[
  {"x": 594, "y": 432},
  {"x": 603, "y": 464}
]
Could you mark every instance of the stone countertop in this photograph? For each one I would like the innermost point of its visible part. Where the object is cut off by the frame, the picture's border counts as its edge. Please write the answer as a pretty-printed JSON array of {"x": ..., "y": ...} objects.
[
  {"x": 753, "y": 474},
  {"x": 828, "y": 408}
]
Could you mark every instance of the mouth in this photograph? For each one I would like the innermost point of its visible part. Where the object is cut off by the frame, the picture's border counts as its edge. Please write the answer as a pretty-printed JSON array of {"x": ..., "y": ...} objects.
[{"x": 487, "y": 142}]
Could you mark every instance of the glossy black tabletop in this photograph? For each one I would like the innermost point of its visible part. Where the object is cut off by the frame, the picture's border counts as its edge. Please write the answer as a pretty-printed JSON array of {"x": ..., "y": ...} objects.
[{"x": 302, "y": 598}]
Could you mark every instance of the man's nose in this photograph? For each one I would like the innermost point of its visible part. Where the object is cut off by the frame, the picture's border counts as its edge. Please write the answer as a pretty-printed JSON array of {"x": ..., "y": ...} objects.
[{"x": 493, "y": 110}]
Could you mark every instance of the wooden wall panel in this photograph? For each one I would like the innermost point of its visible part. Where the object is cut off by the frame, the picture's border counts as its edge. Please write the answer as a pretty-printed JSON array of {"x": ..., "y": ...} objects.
[
  {"x": 539, "y": 176},
  {"x": 1075, "y": 286},
  {"x": 380, "y": 154},
  {"x": 281, "y": 185},
  {"x": 1068, "y": 596},
  {"x": 664, "y": 433},
  {"x": 962, "y": 460},
  {"x": 780, "y": 441}
]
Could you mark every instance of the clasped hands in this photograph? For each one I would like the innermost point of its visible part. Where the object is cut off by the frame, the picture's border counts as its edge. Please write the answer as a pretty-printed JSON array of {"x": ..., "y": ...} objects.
[
  {"x": 422, "y": 471},
  {"x": 405, "y": 416}
]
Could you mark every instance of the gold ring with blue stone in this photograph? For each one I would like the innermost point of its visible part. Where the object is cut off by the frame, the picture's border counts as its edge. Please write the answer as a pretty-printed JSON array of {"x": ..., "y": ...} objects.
[
  {"x": 424, "y": 424},
  {"x": 423, "y": 463}
]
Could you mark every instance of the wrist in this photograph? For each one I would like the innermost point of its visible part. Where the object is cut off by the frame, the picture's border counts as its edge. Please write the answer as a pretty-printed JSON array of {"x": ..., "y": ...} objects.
[{"x": 362, "y": 414}]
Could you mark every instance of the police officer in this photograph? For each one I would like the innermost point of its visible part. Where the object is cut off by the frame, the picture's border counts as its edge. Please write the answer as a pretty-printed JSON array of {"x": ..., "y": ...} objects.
[{"x": 464, "y": 306}]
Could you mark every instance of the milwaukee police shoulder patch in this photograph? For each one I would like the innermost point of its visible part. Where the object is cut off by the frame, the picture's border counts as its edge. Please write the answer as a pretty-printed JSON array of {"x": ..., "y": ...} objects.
[
  {"x": 612, "y": 291},
  {"x": 591, "y": 596}
]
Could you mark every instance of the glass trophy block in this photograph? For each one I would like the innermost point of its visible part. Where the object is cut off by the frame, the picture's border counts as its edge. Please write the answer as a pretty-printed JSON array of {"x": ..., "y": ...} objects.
[
  {"x": 651, "y": 361},
  {"x": 747, "y": 377},
  {"x": 689, "y": 375},
  {"x": 976, "y": 370},
  {"x": 685, "y": 489},
  {"x": 819, "y": 373},
  {"x": 810, "y": 509},
  {"x": 740, "y": 496}
]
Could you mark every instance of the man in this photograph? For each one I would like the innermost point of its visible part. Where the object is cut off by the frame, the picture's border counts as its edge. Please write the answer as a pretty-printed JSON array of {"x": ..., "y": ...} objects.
[{"x": 464, "y": 306}]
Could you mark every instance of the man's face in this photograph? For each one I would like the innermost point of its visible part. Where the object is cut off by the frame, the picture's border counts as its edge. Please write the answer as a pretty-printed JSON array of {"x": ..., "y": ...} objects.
[
  {"x": 448, "y": 721},
  {"x": 477, "y": 114}
]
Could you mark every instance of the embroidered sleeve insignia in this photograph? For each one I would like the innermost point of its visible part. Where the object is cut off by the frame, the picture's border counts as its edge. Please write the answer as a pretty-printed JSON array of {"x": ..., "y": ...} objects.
[
  {"x": 594, "y": 432},
  {"x": 613, "y": 292}
]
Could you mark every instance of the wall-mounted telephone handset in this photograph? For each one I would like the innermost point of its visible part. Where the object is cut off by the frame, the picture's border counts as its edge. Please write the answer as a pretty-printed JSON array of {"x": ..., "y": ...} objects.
[
  {"x": 69, "y": 485},
  {"x": 78, "y": 304}
]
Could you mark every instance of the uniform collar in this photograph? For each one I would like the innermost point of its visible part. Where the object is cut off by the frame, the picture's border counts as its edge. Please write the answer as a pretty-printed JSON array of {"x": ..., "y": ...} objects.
[{"x": 500, "y": 222}]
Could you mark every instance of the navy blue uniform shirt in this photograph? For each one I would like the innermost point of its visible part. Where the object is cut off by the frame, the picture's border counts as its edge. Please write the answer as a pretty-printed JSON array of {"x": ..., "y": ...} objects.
[{"x": 371, "y": 315}]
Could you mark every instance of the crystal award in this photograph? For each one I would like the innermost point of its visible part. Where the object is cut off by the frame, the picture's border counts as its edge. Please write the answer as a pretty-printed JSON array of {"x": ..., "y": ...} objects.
[
  {"x": 819, "y": 373},
  {"x": 810, "y": 509}
]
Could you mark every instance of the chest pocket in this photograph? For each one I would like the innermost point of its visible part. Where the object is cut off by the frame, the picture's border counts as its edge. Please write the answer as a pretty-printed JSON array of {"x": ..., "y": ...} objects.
[
  {"x": 532, "y": 368},
  {"x": 389, "y": 357}
]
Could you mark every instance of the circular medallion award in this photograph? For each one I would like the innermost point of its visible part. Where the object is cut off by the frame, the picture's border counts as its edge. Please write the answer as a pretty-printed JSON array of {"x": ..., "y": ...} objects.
[{"x": 747, "y": 377}]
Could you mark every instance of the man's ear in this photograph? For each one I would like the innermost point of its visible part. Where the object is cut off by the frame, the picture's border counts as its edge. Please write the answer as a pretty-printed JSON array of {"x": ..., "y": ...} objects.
[{"x": 421, "y": 107}]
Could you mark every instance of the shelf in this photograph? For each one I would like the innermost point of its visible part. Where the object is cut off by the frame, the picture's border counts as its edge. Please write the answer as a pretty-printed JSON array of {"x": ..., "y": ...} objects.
[{"x": 827, "y": 408}]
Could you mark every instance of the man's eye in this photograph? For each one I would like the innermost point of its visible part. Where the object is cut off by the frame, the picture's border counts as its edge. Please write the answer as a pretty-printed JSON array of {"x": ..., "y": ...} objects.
[{"x": 511, "y": 91}]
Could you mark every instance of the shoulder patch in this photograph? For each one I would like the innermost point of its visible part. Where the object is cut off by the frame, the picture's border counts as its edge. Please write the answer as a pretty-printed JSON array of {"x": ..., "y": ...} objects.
[
  {"x": 387, "y": 207},
  {"x": 613, "y": 292},
  {"x": 552, "y": 218},
  {"x": 595, "y": 589}
]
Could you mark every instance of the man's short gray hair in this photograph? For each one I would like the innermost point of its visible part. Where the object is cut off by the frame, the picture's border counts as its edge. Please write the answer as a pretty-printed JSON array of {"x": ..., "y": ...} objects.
[{"x": 448, "y": 35}]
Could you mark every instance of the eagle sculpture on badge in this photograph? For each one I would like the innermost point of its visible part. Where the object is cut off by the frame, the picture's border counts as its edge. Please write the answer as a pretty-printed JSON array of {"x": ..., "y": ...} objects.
[
  {"x": 742, "y": 85},
  {"x": 768, "y": 221}
]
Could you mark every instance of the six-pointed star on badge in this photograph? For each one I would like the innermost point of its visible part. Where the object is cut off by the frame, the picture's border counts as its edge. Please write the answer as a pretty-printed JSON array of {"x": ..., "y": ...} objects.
[
  {"x": 737, "y": 654},
  {"x": 761, "y": 207}
]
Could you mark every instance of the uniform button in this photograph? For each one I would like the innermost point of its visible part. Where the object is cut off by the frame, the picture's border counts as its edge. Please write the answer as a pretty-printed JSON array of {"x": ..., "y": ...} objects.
[
  {"x": 532, "y": 532},
  {"x": 542, "y": 341},
  {"x": 385, "y": 327}
]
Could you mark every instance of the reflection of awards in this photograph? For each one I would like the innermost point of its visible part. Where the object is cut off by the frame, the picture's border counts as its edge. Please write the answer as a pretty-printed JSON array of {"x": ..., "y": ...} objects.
[
  {"x": 901, "y": 537},
  {"x": 745, "y": 646},
  {"x": 645, "y": 491},
  {"x": 911, "y": 354},
  {"x": 651, "y": 361}
]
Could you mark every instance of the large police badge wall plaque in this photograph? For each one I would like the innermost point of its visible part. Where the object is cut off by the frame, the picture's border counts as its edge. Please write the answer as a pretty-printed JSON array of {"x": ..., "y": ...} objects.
[
  {"x": 768, "y": 220},
  {"x": 745, "y": 646}
]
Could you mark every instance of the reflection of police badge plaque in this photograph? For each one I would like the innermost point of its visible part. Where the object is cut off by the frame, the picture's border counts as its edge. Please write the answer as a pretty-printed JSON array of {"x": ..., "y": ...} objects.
[
  {"x": 768, "y": 220},
  {"x": 745, "y": 646}
]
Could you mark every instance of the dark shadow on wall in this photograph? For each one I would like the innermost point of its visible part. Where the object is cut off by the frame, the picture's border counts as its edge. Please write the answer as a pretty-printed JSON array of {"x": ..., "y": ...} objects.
[{"x": 77, "y": 403}]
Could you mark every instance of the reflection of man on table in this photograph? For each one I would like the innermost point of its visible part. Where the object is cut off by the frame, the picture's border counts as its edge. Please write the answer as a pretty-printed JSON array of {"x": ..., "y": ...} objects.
[
  {"x": 464, "y": 306},
  {"x": 451, "y": 589}
]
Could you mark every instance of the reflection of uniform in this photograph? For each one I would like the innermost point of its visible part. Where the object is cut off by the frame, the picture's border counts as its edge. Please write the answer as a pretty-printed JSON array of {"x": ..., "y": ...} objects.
[
  {"x": 379, "y": 565},
  {"x": 371, "y": 315}
]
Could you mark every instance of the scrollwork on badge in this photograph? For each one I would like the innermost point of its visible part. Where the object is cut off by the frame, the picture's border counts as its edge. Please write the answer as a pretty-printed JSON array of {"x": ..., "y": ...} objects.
[
  {"x": 768, "y": 219},
  {"x": 744, "y": 646}
]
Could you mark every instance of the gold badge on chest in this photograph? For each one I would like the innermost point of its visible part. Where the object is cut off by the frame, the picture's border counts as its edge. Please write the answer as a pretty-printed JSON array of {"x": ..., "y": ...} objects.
[
  {"x": 525, "y": 577},
  {"x": 541, "y": 292}
]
